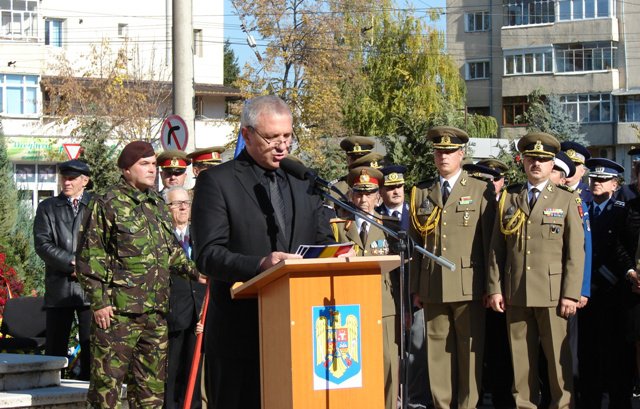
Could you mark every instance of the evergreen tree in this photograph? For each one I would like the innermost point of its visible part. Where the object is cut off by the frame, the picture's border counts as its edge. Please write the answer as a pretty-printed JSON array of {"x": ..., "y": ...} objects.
[
  {"x": 231, "y": 68},
  {"x": 546, "y": 114},
  {"x": 8, "y": 193},
  {"x": 99, "y": 156}
]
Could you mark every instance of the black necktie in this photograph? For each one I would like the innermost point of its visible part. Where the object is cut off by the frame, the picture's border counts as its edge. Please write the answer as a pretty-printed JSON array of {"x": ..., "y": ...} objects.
[
  {"x": 395, "y": 214},
  {"x": 445, "y": 192},
  {"x": 277, "y": 201},
  {"x": 596, "y": 211},
  {"x": 534, "y": 198},
  {"x": 363, "y": 233}
]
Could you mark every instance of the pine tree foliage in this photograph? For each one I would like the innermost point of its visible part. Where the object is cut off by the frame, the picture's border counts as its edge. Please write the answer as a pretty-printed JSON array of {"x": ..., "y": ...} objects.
[
  {"x": 546, "y": 114},
  {"x": 8, "y": 192},
  {"x": 230, "y": 64},
  {"x": 100, "y": 157}
]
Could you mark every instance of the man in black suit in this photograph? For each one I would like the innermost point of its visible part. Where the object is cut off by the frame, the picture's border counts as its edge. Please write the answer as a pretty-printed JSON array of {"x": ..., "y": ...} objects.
[{"x": 247, "y": 216}]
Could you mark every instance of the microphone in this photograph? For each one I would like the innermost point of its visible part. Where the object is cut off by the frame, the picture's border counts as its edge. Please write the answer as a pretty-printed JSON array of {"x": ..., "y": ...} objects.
[{"x": 299, "y": 171}]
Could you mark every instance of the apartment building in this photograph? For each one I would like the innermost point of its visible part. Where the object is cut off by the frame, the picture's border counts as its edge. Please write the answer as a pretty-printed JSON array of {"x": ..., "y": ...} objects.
[
  {"x": 585, "y": 51},
  {"x": 34, "y": 33}
]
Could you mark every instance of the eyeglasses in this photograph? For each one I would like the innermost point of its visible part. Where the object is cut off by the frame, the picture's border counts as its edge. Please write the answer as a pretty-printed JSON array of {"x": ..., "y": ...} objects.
[
  {"x": 179, "y": 203},
  {"x": 274, "y": 141}
]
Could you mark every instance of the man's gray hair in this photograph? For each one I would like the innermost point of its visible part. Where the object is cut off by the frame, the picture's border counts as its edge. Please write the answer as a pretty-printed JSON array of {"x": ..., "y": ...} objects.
[
  {"x": 165, "y": 192},
  {"x": 266, "y": 104}
]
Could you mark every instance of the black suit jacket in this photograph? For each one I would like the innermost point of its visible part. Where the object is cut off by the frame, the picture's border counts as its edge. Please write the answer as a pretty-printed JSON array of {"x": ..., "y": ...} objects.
[
  {"x": 233, "y": 227},
  {"x": 610, "y": 260}
]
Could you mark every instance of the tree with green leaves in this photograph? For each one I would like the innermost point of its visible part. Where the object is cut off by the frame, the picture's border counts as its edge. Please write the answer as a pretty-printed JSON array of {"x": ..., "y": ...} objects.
[
  {"x": 16, "y": 228},
  {"x": 230, "y": 64},
  {"x": 99, "y": 155},
  {"x": 546, "y": 114},
  {"x": 408, "y": 85}
]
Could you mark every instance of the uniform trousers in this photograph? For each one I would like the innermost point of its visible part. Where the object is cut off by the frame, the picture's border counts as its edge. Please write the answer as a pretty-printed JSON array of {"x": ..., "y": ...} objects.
[
  {"x": 530, "y": 327},
  {"x": 418, "y": 393},
  {"x": 132, "y": 349},
  {"x": 455, "y": 336},
  {"x": 390, "y": 361},
  {"x": 59, "y": 322}
]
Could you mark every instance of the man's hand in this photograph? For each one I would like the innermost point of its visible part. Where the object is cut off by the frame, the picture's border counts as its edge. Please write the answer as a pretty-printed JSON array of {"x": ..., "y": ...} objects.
[
  {"x": 583, "y": 301},
  {"x": 567, "y": 307},
  {"x": 496, "y": 302},
  {"x": 103, "y": 317},
  {"x": 274, "y": 258}
]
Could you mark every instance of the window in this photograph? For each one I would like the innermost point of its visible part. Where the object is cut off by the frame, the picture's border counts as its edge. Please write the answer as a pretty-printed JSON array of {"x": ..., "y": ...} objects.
[
  {"x": 518, "y": 62},
  {"x": 123, "y": 30},
  {"x": 587, "y": 108},
  {"x": 199, "y": 108},
  {"x": 595, "y": 56},
  {"x": 583, "y": 9},
  {"x": 479, "y": 111},
  {"x": 478, "y": 21},
  {"x": 19, "y": 18},
  {"x": 53, "y": 32},
  {"x": 197, "y": 43},
  {"x": 629, "y": 108},
  {"x": 478, "y": 70},
  {"x": 525, "y": 12},
  {"x": 19, "y": 94},
  {"x": 513, "y": 108}
]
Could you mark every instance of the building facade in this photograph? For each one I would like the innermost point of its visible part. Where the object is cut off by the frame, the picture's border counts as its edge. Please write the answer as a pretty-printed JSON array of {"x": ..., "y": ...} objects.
[
  {"x": 584, "y": 51},
  {"x": 36, "y": 33}
]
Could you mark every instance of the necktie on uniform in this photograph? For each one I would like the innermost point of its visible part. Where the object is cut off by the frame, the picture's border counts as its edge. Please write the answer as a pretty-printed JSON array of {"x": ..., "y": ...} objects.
[
  {"x": 445, "y": 192},
  {"x": 596, "y": 211},
  {"x": 277, "y": 201},
  {"x": 363, "y": 233},
  {"x": 396, "y": 214},
  {"x": 534, "y": 198}
]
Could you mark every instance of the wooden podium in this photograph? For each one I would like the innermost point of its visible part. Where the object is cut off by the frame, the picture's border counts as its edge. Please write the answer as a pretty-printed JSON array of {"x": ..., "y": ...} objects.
[{"x": 310, "y": 308}]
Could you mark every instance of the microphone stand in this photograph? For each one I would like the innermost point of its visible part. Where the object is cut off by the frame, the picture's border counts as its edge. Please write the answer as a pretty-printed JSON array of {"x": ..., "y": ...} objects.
[{"x": 401, "y": 236}]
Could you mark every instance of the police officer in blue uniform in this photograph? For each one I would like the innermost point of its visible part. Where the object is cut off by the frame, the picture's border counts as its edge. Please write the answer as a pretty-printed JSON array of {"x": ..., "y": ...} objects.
[{"x": 604, "y": 353}]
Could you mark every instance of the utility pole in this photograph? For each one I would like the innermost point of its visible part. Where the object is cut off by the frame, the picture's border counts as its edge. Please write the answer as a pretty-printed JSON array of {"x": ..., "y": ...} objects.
[{"x": 183, "y": 82}]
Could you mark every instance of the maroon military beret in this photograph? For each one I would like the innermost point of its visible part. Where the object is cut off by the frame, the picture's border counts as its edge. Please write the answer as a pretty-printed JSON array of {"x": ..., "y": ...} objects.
[{"x": 133, "y": 152}]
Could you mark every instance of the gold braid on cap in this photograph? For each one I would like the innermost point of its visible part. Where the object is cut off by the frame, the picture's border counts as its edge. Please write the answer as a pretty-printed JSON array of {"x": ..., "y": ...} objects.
[
  {"x": 432, "y": 221},
  {"x": 515, "y": 225}
]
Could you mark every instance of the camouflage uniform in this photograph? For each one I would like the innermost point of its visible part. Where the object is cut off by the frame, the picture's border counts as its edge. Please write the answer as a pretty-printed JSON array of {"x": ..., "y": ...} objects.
[{"x": 125, "y": 256}]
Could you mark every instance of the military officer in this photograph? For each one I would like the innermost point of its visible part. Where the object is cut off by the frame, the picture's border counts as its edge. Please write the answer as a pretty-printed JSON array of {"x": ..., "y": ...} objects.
[
  {"x": 605, "y": 356},
  {"x": 173, "y": 168},
  {"x": 535, "y": 272},
  {"x": 452, "y": 217},
  {"x": 354, "y": 147},
  {"x": 125, "y": 255},
  {"x": 500, "y": 167},
  {"x": 392, "y": 195},
  {"x": 203, "y": 159},
  {"x": 578, "y": 155},
  {"x": 371, "y": 241}
]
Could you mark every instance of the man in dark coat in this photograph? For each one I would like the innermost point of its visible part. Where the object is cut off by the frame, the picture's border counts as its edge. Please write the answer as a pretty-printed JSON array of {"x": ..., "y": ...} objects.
[
  {"x": 247, "y": 216},
  {"x": 55, "y": 231}
]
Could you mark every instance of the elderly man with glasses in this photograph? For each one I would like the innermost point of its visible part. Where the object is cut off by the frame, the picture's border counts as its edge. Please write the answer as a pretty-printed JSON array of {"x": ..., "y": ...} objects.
[{"x": 185, "y": 304}]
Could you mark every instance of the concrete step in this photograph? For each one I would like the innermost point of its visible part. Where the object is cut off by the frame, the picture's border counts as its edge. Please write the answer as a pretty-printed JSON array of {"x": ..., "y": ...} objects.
[
  {"x": 69, "y": 394},
  {"x": 21, "y": 371}
]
